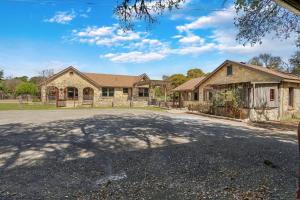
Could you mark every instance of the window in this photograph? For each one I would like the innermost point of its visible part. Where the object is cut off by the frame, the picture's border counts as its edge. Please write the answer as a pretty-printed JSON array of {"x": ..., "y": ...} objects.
[
  {"x": 210, "y": 96},
  {"x": 125, "y": 90},
  {"x": 71, "y": 73},
  {"x": 143, "y": 92},
  {"x": 207, "y": 95},
  {"x": 272, "y": 94},
  {"x": 108, "y": 92},
  {"x": 196, "y": 96},
  {"x": 229, "y": 70},
  {"x": 291, "y": 97},
  {"x": 72, "y": 93}
]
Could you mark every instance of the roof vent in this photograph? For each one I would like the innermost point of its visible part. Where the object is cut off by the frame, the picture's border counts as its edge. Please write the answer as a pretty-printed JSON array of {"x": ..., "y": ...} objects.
[{"x": 242, "y": 62}]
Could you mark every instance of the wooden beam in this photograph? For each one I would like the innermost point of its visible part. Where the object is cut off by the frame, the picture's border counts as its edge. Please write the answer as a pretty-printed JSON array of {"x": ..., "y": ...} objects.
[{"x": 291, "y": 5}]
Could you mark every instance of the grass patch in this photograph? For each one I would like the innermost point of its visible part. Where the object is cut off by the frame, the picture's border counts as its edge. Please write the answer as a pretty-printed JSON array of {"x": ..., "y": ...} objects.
[
  {"x": 124, "y": 107},
  {"x": 16, "y": 106}
]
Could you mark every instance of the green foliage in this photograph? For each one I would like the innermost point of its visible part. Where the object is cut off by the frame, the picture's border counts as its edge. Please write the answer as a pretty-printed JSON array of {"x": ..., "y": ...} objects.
[
  {"x": 10, "y": 86},
  {"x": 298, "y": 41},
  {"x": 158, "y": 91},
  {"x": 267, "y": 60},
  {"x": 22, "y": 78},
  {"x": 218, "y": 99},
  {"x": 232, "y": 97},
  {"x": 1, "y": 75},
  {"x": 195, "y": 73},
  {"x": 26, "y": 88},
  {"x": 36, "y": 79},
  {"x": 295, "y": 63},
  {"x": 2, "y": 86},
  {"x": 255, "y": 61},
  {"x": 177, "y": 79},
  {"x": 258, "y": 18}
]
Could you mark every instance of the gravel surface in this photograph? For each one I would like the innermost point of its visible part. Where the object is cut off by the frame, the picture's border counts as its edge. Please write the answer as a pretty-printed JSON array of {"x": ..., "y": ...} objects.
[{"x": 135, "y": 154}]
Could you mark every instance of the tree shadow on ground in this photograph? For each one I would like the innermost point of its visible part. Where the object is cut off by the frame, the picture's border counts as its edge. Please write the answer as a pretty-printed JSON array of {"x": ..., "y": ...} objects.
[{"x": 143, "y": 156}]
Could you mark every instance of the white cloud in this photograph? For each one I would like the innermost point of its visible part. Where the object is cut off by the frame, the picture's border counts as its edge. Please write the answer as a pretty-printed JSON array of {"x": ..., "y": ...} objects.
[
  {"x": 134, "y": 57},
  {"x": 85, "y": 13},
  {"x": 191, "y": 39},
  {"x": 94, "y": 31},
  {"x": 194, "y": 50},
  {"x": 178, "y": 16},
  {"x": 106, "y": 36},
  {"x": 62, "y": 17},
  {"x": 139, "y": 47},
  {"x": 223, "y": 37},
  {"x": 216, "y": 18}
]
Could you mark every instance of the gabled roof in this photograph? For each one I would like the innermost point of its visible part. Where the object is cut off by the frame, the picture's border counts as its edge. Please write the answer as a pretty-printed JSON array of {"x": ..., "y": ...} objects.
[
  {"x": 189, "y": 85},
  {"x": 269, "y": 71},
  {"x": 71, "y": 68},
  {"x": 103, "y": 80},
  {"x": 282, "y": 75},
  {"x": 110, "y": 80}
]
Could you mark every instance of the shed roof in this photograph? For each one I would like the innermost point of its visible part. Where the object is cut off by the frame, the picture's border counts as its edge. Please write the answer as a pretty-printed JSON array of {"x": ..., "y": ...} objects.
[
  {"x": 189, "y": 85},
  {"x": 284, "y": 76}
]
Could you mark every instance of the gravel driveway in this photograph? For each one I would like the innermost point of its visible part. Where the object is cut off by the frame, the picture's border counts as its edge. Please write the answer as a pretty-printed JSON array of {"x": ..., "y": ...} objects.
[{"x": 135, "y": 154}]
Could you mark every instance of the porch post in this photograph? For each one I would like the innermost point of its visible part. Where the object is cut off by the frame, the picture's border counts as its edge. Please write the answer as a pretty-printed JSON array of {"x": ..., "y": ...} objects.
[
  {"x": 165, "y": 88},
  {"x": 253, "y": 102},
  {"x": 179, "y": 100}
]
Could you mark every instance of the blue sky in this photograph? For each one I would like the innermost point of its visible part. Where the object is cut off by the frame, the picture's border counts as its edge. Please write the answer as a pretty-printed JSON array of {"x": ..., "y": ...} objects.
[{"x": 38, "y": 35}]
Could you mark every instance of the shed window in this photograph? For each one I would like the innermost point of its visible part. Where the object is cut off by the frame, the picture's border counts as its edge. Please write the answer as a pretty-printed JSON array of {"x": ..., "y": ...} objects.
[
  {"x": 108, "y": 92},
  {"x": 272, "y": 94},
  {"x": 143, "y": 92},
  {"x": 291, "y": 97},
  {"x": 229, "y": 70},
  {"x": 196, "y": 97},
  {"x": 125, "y": 90},
  {"x": 210, "y": 96}
]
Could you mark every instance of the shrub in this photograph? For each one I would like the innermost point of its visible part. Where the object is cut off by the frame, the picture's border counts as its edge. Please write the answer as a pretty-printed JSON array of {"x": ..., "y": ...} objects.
[{"x": 26, "y": 88}]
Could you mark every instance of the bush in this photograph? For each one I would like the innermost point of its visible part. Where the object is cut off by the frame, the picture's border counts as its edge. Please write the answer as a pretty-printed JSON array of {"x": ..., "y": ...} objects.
[{"x": 26, "y": 88}]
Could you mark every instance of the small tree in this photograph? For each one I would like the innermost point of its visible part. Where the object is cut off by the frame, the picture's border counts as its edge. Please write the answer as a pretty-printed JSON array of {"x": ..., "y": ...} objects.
[
  {"x": 26, "y": 88},
  {"x": 195, "y": 73},
  {"x": 177, "y": 79},
  {"x": 267, "y": 60},
  {"x": 295, "y": 63},
  {"x": 1, "y": 75}
]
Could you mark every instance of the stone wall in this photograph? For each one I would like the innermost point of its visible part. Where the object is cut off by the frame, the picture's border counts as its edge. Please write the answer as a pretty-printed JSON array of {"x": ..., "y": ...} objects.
[
  {"x": 72, "y": 79},
  {"x": 285, "y": 110},
  {"x": 240, "y": 74},
  {"x": 263, "y": 114}
]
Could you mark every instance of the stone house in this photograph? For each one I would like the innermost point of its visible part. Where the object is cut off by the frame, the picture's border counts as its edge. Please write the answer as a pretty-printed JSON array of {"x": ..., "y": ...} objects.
[
  {"x": 262, "y": 93},
  {"x": 71, "y": 88},
  {"x": 188, "y": 92}
]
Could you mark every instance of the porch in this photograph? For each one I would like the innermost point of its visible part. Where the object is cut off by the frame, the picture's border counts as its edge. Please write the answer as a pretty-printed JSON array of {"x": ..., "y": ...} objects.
[
  {"x": 70, "y": 96},
  {"x": 257, "y": 101}
]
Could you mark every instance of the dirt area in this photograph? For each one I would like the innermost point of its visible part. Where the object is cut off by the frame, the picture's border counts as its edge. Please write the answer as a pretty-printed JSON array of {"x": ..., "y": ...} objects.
[{"x": 136, "y": 154}]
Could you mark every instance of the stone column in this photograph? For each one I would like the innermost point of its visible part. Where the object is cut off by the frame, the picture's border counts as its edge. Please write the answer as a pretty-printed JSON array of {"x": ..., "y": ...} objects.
[{"x": 44, "y": 94}]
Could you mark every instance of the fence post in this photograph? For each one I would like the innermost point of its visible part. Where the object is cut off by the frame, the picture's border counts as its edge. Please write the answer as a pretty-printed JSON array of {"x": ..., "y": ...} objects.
[{"x": 298, "y": 191}]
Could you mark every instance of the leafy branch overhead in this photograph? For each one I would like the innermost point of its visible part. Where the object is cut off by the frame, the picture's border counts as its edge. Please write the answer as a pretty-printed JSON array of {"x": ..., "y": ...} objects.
[
  {"x": 129, "y": 11},
  {"x": 254, "y": 18}
]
